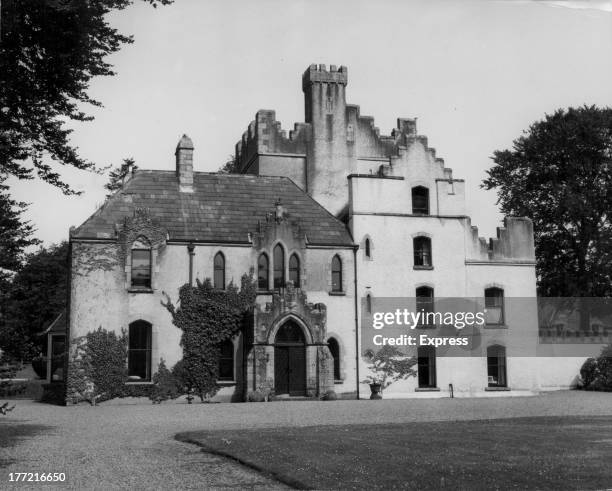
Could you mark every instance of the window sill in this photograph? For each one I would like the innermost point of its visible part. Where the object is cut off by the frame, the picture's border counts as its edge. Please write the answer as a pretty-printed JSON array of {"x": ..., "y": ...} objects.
[
  {"x": 138, "y": 382},
  {"x": 497, "y": 389},
  {"x": 337, "y": 294},
  {"x": 496, "y": 326},
  {"x": 427, "y": 389},
  {"x": 140, "y": 290},
  {"x": 226, "y": 383},
  {"x": 424, "y": 268},
  {"x": 338, "y": 381}
]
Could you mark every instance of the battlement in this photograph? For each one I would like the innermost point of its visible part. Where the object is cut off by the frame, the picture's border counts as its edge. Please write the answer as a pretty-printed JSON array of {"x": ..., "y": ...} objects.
[
  {"x": 514, "y": 241},
  {"x": 319, "y": 73}
]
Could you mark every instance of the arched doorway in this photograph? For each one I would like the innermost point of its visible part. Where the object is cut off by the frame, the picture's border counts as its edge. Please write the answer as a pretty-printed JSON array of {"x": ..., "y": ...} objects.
[{"x": 290, "y": 360}]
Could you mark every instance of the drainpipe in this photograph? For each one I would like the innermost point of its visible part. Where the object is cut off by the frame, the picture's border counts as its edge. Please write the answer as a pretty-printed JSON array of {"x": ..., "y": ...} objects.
[
  {"x": 191, "y": 251},
  {"x": 356, "y": 318}
]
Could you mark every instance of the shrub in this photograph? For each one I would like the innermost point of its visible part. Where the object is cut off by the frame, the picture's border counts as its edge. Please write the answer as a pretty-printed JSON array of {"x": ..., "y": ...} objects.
[
  {"x": 207, "y": 317},
  {"x": 329, "y": 395},
  {"x": 596, "y": 373},
  {"x": 588, "y": 372},
  {"x": 256, "y": 396},
  {"x": 39, "y": 364},
  {"x": 106, "y": 355},
  {"x": 164, "y": 385}
]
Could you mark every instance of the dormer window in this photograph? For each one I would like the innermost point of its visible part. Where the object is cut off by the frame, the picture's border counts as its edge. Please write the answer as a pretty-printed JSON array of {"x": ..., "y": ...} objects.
[{"x": 141, "y": 264}]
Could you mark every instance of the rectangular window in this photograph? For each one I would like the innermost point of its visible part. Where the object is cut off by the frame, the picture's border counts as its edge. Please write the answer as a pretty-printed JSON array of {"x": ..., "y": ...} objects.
[
  {"x": 226, "y": 361},
  {"x": 141, "y": 268},
  {"x": 139, "y": 352},
  {"x": 494, "y": 305}
]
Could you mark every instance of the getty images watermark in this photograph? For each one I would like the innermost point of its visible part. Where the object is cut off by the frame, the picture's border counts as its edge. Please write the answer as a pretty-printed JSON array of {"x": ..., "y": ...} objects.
[{"x": 466, "y": 326}]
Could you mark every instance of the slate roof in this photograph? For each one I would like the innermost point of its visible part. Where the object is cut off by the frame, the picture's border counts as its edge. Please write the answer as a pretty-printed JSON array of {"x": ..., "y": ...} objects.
[{"x": 222, "y": 208}]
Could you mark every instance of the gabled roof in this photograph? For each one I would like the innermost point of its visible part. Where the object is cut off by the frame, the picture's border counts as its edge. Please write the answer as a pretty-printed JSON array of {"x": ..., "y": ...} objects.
[{"x": 222, "y": 208}]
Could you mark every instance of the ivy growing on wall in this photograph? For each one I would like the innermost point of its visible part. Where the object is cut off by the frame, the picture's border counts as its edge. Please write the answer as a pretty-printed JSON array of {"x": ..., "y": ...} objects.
[
  {"x": 97, "y": 366},
  {"x": 207, "y": 317}
]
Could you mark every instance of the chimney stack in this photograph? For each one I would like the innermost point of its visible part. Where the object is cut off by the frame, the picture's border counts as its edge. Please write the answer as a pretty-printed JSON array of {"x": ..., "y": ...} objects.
[{"x": 184, "y": 164}]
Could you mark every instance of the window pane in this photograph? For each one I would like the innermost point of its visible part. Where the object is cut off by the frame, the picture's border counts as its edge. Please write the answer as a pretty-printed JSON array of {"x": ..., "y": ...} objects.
[
  {"x": 422, "y": 251},
  {"x": 294, "y": 270},
  {"x": 334, "y": 349},
  {"x": 494, "y": 304},
  {"x": 139, "y": 351},
  {"x": 425, "y": 304},
  {"x": 226, "y": 361},
  {"x": 336, "y": 274},
  {"x": 219, "y": 273},
  {"x": 420, "y": 200},
  {"x": 279, "y": 267},
  {"x": 262, "y": 272},
  {"x": 141, "y": 268},
  {"x": 368, "y": 252}
]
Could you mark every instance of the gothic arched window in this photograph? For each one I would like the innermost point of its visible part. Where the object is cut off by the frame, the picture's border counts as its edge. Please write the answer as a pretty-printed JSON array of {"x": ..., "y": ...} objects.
[
  {"x": 279, "y": 267},
  {"x": 219, "y": 273},
  {"x": 263, "y": 270},
  {"x": 294, "y": 270},
  {"x": 336, "y": 271}
]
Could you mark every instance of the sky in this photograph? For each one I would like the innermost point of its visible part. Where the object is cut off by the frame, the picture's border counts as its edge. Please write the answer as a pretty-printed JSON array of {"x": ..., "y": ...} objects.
[{"x": 475, "y": 73}]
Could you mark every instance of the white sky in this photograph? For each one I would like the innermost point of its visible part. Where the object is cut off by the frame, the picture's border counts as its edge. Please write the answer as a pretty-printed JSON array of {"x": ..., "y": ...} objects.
[{"x": 475, "y": 73}]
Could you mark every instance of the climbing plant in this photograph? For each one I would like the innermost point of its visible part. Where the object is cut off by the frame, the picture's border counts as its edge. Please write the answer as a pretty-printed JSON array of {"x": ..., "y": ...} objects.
[{"x": 208, "y": 316}]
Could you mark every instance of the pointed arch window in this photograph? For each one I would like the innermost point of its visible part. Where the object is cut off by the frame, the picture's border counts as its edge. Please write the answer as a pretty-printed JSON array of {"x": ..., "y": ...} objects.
[
  {"x": 369, "y": 303},
  {"x": 278, "y": 257},
  {"x": 336, "y": 271},
  {"x": 294, "y": 270},
  {"x": 219, "y": 271},
  {"x": 422, "y": 252},
  {"x": 368, "y": 248},
  {"x": 141, "y": 264},
  {"x": 334, "y": 349},
  {"x": 420, "y": 200},
  {"x": 263, "y": 270}
]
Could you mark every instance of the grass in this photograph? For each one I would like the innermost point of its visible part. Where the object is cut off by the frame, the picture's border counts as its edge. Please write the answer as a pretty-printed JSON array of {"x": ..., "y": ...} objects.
[
  {"x": 518, "y": 453},
  {"x": 11, "y": 434}
]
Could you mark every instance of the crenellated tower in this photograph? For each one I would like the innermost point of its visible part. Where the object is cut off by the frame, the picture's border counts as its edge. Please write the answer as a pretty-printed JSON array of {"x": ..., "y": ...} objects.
[{"x": 329, "y": 154}]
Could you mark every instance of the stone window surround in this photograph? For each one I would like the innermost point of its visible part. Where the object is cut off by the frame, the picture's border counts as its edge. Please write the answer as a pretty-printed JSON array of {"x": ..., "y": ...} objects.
[
  {"x": 154, "y": 267},
  {"x": 269, "y": 252}
]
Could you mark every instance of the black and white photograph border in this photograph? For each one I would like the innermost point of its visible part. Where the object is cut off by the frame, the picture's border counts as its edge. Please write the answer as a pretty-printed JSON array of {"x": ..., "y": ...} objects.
[{"x": 305, "y": 244}]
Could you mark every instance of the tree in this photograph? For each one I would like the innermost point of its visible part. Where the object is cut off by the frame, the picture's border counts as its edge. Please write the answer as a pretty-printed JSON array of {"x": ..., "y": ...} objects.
[
  {"x": 118, "y": 174},
  {"x": 15, "y": 233},
  {"x": 230, "y": 166},
  {"x": 50, "y": 51},
  {"x": 36, "y": 296},
  {"x": 559, "y": 174}
]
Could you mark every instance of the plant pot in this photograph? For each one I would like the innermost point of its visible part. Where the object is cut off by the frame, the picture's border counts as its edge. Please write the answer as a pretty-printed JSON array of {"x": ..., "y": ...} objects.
[{"x": 375, "y": 389}]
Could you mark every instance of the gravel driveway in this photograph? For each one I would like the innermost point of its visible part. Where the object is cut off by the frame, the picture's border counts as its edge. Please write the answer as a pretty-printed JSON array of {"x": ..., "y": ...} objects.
[{"x": 132, "y": 446}]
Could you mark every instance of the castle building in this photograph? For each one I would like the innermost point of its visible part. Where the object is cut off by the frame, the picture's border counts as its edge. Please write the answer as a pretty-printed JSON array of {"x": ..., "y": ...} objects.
[{"x": 331, "y": 217}]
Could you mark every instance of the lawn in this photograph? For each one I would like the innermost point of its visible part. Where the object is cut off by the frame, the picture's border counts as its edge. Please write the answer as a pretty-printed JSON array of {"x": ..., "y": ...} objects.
[{"x": 518, "y": 453}]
